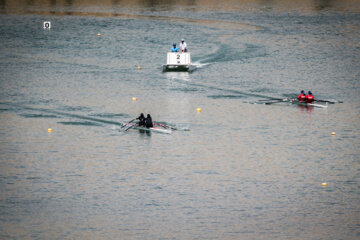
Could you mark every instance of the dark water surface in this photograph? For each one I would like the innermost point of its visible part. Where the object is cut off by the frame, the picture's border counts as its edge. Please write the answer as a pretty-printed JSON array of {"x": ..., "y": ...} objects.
[{"x": 235, "y": 170}]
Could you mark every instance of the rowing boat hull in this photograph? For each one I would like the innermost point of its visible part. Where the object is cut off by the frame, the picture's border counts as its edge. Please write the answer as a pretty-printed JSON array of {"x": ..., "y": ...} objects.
[
  {"x": 154, "y": 129},
  {"x": 293, "y": 101},
  {"x": 310, "y": 104},
  {"x": 178, "y": 68}
]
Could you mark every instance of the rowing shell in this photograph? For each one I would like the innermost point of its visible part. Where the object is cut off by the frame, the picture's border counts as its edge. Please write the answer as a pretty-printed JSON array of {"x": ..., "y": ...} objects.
[
  {"x": 293, "y": 101},
  {"x": 309, "y": 104},
  {"x": 154, "y": 129}
]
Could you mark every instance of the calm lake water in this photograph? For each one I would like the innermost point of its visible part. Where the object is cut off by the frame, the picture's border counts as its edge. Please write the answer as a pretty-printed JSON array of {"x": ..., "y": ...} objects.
[{"x": 235, "y": 170}]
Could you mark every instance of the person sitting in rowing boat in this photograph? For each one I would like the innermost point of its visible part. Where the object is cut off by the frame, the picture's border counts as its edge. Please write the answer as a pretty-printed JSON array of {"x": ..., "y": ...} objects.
[
  {"x": 149, "y": 122},
  {"x": 183, "y": 46},
  {"x": 309, "y": 98},
  {"x": 174, "y": 48},
  {"x": 302, "y": 96},
  {"x": 141, "y": 119}
]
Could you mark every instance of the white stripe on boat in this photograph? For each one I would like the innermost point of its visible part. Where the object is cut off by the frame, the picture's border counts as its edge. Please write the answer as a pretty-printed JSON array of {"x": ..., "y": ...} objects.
[
  {"x": 154, "y": 129},
  {"x": 310, "y": 104}
]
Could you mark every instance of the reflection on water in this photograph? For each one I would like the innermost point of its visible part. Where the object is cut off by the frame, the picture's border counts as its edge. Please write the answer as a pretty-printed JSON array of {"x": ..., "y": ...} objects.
[
  {"x": 323, "y": 4},
  {"x": 3, "y": 4},
  {"x": 20, "y": 6},
  {"x": 241, "y": 171},
  {"x": 306, "y": 109},
  {"x": 184, "y": 76}
]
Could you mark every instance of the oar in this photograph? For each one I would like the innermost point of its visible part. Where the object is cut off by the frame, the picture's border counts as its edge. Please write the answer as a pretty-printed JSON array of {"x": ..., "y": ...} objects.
[
  {"x": 161, "y": 125},
  {"x": 270, "y": 100},
  {"x": 328, "y": 101},
  {"x": 128, "y": 123},
  {"x": 130, "y": 127},
  {"x": 166, "y": 126},
  {"x": 274, "y": 101}
]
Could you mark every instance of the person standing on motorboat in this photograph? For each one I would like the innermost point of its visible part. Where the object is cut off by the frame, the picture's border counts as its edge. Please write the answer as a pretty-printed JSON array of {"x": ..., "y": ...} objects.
[
  {"x": 183, "y": 46},
  {"x": 174, "y": 48},
  {"x": 149, "y": 122},
  {"x": 302, "y": 96},
  {"x": 141, "y": 119},
  {"x": 310, "y": 98}
]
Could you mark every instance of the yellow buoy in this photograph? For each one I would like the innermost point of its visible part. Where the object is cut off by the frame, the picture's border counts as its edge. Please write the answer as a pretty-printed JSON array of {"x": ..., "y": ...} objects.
[
  {"x": 333, "y": 133},
  {"x": 98, "y": 34},
  {"x": 134, "y": 98},
  {"x": 198, "y": 109},
  {"x": 49, "y": 130},
  {"x": 139, "y": 67},
  {"x": 324, "y": 184}
]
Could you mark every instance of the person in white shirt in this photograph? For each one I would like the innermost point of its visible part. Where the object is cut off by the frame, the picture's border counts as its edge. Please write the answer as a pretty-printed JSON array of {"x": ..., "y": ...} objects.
[{"x": 183, "y": 46}]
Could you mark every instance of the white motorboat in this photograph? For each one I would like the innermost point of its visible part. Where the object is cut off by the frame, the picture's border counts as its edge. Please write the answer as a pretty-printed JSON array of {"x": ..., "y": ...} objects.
[{"x": 178, "y": 61}]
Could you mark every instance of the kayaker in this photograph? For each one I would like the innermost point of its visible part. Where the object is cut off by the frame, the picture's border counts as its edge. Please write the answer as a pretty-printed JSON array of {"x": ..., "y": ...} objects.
[
  {"x": 141, "y": 119},
  {"x": 302, "y": 96},
  {"x": 309, "y": 98},
  {"x": 183, "y": 46},
  {"x": 149, "y": 122},
  {"x": 174, "y": 48}
]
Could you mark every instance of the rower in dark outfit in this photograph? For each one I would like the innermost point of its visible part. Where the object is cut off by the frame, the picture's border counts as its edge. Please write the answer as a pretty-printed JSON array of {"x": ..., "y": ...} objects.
[
  {"x": 149, "y": 122},
  {"x": 141, "y": 119}
]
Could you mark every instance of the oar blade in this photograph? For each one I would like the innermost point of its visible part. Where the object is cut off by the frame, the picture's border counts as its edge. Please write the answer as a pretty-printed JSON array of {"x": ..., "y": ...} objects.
[{"x": 126, "y": 124}]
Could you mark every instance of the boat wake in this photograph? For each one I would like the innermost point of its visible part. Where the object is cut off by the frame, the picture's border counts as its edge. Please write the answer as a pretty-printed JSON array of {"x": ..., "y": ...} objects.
[
  {"x": 199, "y": 64},
  {"x": 67, "y": 117},
  {"x": 183, "y": 76},
  {"x": 226, "y": 53}
]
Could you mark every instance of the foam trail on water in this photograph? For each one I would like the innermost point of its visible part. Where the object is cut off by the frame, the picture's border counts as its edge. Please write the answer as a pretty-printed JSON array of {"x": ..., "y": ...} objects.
[{"x": 198, "y": 64}]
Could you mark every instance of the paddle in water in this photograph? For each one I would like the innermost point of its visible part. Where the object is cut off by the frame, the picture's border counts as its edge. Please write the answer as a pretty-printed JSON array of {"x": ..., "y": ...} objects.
[
  {"x": 133, "y": 125},
  {"x": 271, "y": 101},
  {"x": 166, "y": 126},
  {"x": 126, "y": 124},
  {"x": 328, "y": 101}
]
